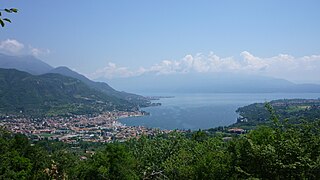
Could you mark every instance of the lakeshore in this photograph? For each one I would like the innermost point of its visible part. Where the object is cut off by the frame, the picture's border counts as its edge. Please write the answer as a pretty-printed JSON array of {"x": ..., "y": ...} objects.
[
  {"x": 104, "y": 127},
  {"x": 203, "y": 111}
]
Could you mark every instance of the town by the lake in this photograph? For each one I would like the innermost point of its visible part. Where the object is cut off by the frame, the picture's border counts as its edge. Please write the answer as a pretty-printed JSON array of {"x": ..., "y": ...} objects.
[{"x": 103, "y": 127}]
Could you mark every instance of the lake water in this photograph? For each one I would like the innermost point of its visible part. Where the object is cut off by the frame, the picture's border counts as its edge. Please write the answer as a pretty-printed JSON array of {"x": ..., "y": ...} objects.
[{"x": 203, "y": 111}]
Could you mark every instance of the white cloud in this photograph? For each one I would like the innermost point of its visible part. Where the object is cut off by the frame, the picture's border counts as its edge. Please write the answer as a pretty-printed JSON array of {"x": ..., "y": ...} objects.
[
  {"x": 113, "y": 71},
  {"x": 11, "y": 46},
  {"x": 38, "y": 52},
  {"x": 298, "y": 69},
  {"x": 14, "y": 47},
  {"x": 253, "y": 63}
]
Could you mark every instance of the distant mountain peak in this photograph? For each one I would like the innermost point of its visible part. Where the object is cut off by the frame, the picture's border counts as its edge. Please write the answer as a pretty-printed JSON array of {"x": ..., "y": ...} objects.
[
  {"x": 25, "y": 63},
  {"x": 63, "y": 68}
]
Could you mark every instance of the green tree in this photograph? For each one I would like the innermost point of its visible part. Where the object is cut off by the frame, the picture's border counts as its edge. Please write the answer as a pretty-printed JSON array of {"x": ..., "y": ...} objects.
[
  {"x": 151, "y": 153},
  {"x": 282, "y": 151},
  {"x": 113, "y": 162},
  {"x": 14, "y": 166}
]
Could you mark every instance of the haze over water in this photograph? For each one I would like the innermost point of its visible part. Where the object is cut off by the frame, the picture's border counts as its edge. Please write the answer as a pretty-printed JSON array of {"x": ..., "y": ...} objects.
[{"x": 203, "y": 111}]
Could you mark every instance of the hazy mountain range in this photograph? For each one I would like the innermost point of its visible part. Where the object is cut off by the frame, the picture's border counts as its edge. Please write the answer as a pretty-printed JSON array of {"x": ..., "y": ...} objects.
[
  {"x": 165, "y": 83},
  {"x": 209, "y": 83}
]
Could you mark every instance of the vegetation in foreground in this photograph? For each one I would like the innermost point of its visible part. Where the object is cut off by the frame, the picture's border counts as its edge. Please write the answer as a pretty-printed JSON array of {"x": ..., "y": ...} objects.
[{"x": 279, "y": 151}]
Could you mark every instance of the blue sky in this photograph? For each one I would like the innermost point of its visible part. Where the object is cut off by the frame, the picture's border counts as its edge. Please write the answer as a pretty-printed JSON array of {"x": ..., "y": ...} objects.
[{"x": 132, "y": 37}]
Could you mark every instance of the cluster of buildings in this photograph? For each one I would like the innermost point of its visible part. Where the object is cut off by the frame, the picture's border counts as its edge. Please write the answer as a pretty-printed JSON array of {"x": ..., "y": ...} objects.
[
  {"x": 296, "y": 102},
  {"x": 99, "y": 128}
]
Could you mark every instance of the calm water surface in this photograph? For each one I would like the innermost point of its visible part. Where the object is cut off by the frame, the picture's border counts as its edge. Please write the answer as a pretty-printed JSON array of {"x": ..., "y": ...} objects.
[{"x": 194, "y": 111}]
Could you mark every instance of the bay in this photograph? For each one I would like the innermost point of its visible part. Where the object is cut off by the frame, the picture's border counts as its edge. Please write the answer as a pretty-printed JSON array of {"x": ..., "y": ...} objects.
[{"x": 203, "y": 111}]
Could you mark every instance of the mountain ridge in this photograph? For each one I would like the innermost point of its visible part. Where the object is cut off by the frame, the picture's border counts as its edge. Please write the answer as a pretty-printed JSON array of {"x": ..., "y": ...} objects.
[
  {"x": 35, "y": 66},
  {"x": 52, "y": 94},
  {"x": 102, "y": 86}
]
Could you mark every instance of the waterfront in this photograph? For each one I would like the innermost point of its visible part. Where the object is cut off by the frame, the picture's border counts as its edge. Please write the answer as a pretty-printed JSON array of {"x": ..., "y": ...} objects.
[
  {"x": 194, "y": 111},
  {"x": 98, "y": 128}
]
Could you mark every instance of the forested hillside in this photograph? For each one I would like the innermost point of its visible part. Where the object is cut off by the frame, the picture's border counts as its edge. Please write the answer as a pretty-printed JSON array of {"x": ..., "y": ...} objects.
[{"x": 52, "y": 94}]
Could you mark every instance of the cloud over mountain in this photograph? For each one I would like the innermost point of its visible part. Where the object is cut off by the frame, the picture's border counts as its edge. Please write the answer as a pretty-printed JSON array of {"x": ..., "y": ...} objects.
[
  {"x": 14, "y": 47},
  {"x": 280, "y": 66},
  {"x": 11, "y": 46}
]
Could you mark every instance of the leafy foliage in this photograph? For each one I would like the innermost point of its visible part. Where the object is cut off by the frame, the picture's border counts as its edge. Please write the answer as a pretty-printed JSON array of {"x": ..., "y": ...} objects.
[{"x": 3, "y": 20}]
